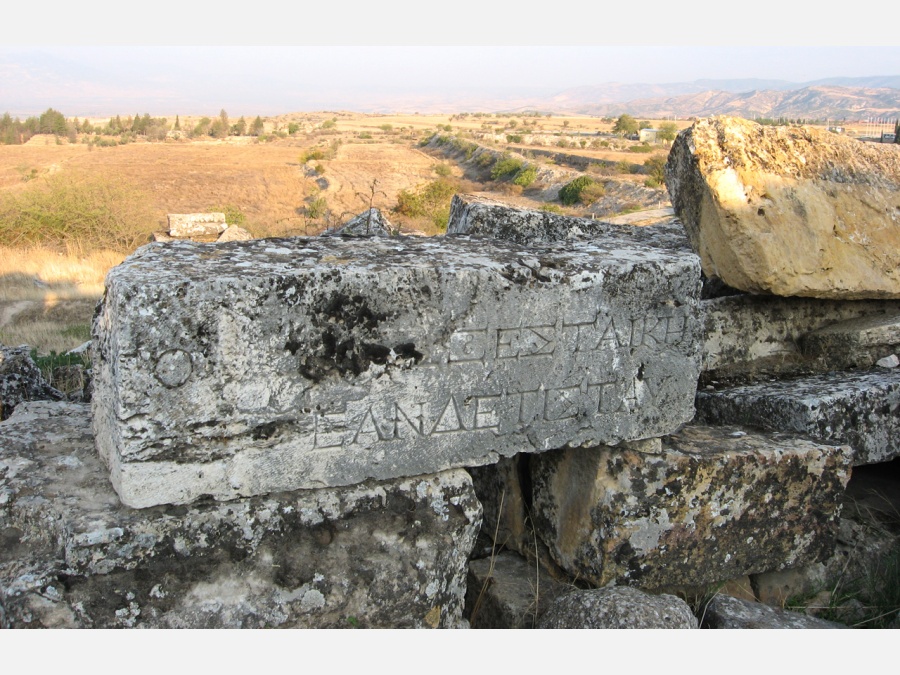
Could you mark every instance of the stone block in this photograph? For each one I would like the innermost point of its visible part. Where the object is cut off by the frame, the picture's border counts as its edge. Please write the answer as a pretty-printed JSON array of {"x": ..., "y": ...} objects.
[
  {"x": 616, "y": 608},
  {"x": 249, "y": 367},
  {"x": 859, "y": 409},
  {"x": 381, "y": 554},
  {"x": 752, "y": 335},
  {"x": 787, "y": 210},
  {"x": 859, "y": 343},
  {"x": 716, "y": 504},
  {"x": 234, "y": 233},
  {"x": 196, "y": 224},
  {"x": 509, "y": 592},
  {"x": 727, "y": 612},
  {"x": 369, "y": 223},
  {"x": 482, "y": 217}
]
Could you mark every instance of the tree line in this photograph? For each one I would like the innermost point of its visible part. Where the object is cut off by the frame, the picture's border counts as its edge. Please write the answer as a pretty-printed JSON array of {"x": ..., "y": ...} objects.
[{"x": 16, "y": 131}]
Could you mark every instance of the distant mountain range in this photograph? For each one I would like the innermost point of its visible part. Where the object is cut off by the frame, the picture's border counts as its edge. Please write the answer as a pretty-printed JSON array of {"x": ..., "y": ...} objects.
[{"x": 834, "y": 98}]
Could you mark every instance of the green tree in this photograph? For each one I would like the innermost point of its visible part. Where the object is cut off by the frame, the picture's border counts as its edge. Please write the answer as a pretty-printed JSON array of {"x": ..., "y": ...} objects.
[
  {"x": 177, "y": 126},
  {"x": 240, "y": 129},
  {"x": 571, "y": 192},
  {"x": 656, "y": 169},
  {"x": 53, "y": 122},
  {"x": 625, "y": 125},
  {"x": 667, "y": 131},
  {"x": 257, "y": 127}
]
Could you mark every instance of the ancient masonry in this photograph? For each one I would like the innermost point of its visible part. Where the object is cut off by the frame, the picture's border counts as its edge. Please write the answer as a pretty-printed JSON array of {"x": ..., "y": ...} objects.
[{"x": 331, "y": 432}]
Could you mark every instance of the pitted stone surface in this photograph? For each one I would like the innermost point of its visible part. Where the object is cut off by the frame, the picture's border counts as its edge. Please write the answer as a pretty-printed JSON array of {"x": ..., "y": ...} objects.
[
  {"x": 482, "y": 217},
  {"x": 323, "y": 362},
  {"x": 716, "y": 504},
  {"x": 616, "y": 608},
  {"x": 727, "y": 612},
  {"x": 858, "y": 342},
  {"x": 21, "y": 380},
  {"x": 789, "y": 211},
  {"x": 196, "y": 224},
  {"x": 859, "y": 409},
  {"x": 381, "y": 554},
  {"x": 758, "y": 335}
]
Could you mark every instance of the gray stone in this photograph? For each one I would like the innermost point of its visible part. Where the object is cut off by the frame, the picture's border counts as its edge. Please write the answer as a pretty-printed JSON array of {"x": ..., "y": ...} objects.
[
  {"x": 751, "y": 335},
  {"x": 891, "y": 361},
  {"x": 370, "y": 222},
  {"x": 479, "y": 216},
  {"x": 234, "y": 233},
  {"x": 507, "y": 591},
  {"x": 727, "y": 612},
  {"x": 617, "y": 608},
  {"x": 243, "y": 368},
  {"x": 859, "y": 409},
  {"x": 375, "y": 555},
  {"x": 855, "y": 343},
  {"x": 21, "y": 380},
  {"x": 716, "y": 504},
  {"x": 499, "y": 489},
  {"x": 196, "y": 224}
]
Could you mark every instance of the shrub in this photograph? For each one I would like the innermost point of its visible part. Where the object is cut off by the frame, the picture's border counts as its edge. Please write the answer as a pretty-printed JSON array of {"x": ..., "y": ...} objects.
[
  {"x": 431, "y": 201},
  {"x": 485, "y": 159},
  {"x": 592, "y": 193},
  {"x": 526, "y": 176},
  {"x": 551, "y": 208},
  {"x": 233, "y": 214},
  {"x": 79, "y": 212},
  {"x": 571, "y": 193},
  {"x": 640, "y": 148},
  {"x": 365, "y": 134},
  {"x": 316, "y": 207},
  {"x": 506, "y": 167},
  {"x": 328, "y": 124},
  {"x": 386, "y": 128},
  {"x": 655, "y": 167},
  {"x": 442, "y": 170},
  {"x": 293, "y": 128},
  {"x": 513, "y": 138}
]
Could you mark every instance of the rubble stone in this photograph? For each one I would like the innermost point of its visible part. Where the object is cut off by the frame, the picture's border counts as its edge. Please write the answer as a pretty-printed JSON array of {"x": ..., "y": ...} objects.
[
  {"x": 381, "y": 554},
  {"x": 726, "y": 612},
  {"x": 789, "y": 211},
  {"x": 859, "y": 409},
  {"x": 623, "y": 607},
  {"x": 855, "y": 343},
  {"x": 21, "y": 380},
  {"x": 234, "y": 233},
  {"x": 243, "y": 368},
  {"x": 716, "y": 504}
]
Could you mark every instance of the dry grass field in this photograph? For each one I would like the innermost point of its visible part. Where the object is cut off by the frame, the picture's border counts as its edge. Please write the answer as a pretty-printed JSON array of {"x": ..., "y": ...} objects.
[{"x": 48, "y": 291}]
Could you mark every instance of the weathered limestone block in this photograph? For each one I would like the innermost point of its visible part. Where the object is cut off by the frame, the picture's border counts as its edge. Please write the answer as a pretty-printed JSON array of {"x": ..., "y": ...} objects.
[
  {"x": 611, "y": 608},
  {"x": 727, "y": 612},
  {"x": 859, "y": 409},
  {"x": 234, "y": 233},
  {"x": 789, "y": 211},
  {"x": 370, "y": 222},
  {"x": 758, "y": 335},
  {"x": 238, "y": 369},
  {"x": 479, "y": 216},
  {"x": 857, "y": 342},
  {"x": 716, "y": 504},
  {"x": 196, "y": 224},
  {"x": 21, "y": 380},
  {"x": 509, "y": 592},
  {"x": 388, "y": 554}
]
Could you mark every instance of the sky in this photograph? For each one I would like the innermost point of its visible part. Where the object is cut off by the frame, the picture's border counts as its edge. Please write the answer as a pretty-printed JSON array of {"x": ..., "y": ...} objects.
[{"x": 332, "y": 56}]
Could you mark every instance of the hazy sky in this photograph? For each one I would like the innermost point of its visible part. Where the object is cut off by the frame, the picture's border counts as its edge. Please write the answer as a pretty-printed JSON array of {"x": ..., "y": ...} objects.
[{"x": 89, "y": 63}]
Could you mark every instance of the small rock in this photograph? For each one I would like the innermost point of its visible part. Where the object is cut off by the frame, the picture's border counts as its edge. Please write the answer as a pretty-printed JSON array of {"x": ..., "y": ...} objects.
[
  {"x": 235, "y": 233},
  {"x": 888, "y": 361},
  {"x": 618, "y": 607}
]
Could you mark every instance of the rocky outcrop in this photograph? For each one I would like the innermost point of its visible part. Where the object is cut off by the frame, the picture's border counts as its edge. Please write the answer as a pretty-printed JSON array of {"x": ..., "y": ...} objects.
[
  {"x": 21, "y": 380},
  {"x": 789, "y": 211},
  {"x": 301, "y": 363},
  {"x": 372, "y": 555}
]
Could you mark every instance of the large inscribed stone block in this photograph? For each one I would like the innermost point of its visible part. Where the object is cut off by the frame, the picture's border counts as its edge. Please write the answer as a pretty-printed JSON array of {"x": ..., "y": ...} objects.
[
  {"x": 196, "y": 224},
  {"x": 715, "y": 504},
  {"x": 243, "y": 368},
  {"x": 859, "y": 409}
]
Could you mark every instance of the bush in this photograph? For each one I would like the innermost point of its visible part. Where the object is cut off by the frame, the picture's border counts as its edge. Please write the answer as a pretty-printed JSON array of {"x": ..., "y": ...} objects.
[
  {"x": 316, "y": 207},
  {"x": 513, "y": 138},
  {"x": 386, "y": 128},
  {"x": 551, "y": 208},
  {"x": 484, "y": 160},
  {"x": 442, "y": 170},
  {"x": 506, "y": 167},
  {"x": 655, "y": 167},
  {"x": 592, "y": 193},
  {"x": 328, "y": 124},
  {"x": 365, "y": 134},
  {"x": 571, "y": 193},
  {"x": 431, "y": 201},
  {"x": 77, "y": 212},
  {"x": 640, "y": 148},
  {"x": 526, "y": 176},
  {"x": 233, "y": 214}
]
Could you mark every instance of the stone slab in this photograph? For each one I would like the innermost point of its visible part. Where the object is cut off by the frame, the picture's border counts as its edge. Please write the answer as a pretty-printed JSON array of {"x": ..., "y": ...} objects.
[
  {"x": 243, "y": 368},
  {"x": 483, "y": 217},
  {"x": 507, "y": 591},
  {"x": 859, "y": 409},
  {"x": 857, "y": 343},
  {"x": 617, "y": 608},
  {"x": 791, "y": 211},
  {"x": 196, "y": 224},
  {"x": 716, "y": 504},
  {"x": 727, "y": 612},
  {"x": 752, "y": 335},
  {"x": 382, "y": 554}
]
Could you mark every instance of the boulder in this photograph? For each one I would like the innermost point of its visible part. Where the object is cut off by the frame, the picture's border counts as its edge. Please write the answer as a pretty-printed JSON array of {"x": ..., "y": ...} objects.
[
  {"x": 277, "y": 364},
  {"x": 859, "y": 409},
  {"x": 196, "y": 224},
  {"x": 381, "y": 554},
  {"x": 787, "y": 210},
  {"x": 607, "y": 608},
  {"x": 234, "y": 233},
  {"x": 370, "y": 222},
  {"x": 21, "y": 380},
  {"x": 715, "y": 504},
  {"x": 727, "y": 612}
]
